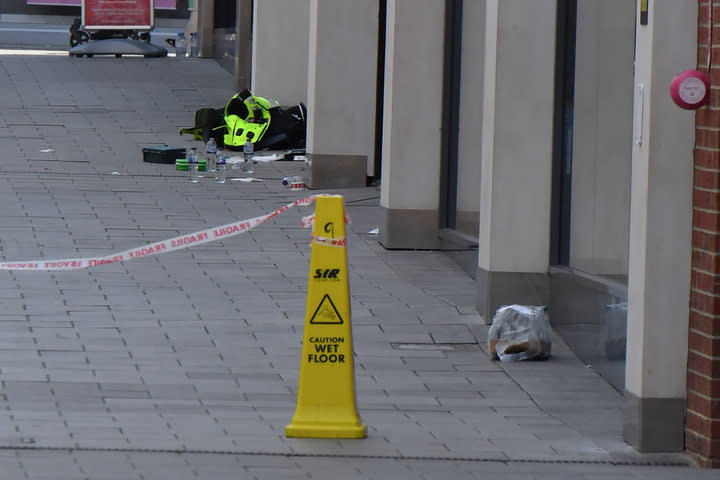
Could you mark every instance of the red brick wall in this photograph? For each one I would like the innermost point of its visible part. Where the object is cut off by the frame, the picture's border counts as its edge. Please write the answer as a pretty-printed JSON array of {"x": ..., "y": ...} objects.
[{"x": 702, "y": 435}]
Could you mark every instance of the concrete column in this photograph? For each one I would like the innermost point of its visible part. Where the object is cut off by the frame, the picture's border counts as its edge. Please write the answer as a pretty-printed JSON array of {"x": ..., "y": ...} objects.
[
  {"x": 660, "y": 232},
  {"x": 516, "y": 154},
  {"x": 243, "y": 59},
  {"x": 192, "y": 23},
  {"x": 342, "y": 83},
  {"x": 411, "y": 124},
  {"x": 206, "y": 29},
  {"x": 280, "y": 50}
]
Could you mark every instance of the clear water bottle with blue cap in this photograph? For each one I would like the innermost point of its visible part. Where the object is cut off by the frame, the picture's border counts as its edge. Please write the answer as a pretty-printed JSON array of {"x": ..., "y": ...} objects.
[
  {"x": 211, "y": 155},
  {"x": 287, "y": 181},
  {"x": 193, "y": 165},
  {"x": 220, "y": 167},
  {"x": 180, "y": 45},
  {"x": 193, "y": 44},
  {"x": 248, "y": 151}
]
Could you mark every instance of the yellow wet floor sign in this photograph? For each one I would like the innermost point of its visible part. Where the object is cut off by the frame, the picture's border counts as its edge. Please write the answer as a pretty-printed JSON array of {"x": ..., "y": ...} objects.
[{"x": 326, "y": 405}]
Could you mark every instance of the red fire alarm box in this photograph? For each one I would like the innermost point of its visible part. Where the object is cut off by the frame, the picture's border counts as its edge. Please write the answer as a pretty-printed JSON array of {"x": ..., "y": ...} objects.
[{"x": 690, "y": 90}]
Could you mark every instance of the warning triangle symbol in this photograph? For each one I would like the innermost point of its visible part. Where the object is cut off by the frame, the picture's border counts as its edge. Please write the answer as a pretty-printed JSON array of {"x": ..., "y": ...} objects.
[{"x": 326, "y": 313}]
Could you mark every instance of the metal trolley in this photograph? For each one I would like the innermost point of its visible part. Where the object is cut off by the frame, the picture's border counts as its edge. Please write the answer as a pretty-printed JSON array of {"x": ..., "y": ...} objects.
[{"x": 112, "y": 28}]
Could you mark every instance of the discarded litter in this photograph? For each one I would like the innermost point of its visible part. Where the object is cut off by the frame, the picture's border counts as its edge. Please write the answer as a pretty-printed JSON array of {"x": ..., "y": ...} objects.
[
  {"x": 269, "y": 158},
  {"x": 246, "y": 179},
  {"x": 520, "y": 332},
  {"x": 374, "y": 231}
]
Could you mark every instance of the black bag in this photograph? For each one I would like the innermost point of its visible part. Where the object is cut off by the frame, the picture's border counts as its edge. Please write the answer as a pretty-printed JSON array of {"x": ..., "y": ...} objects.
[
  {"x": 287, "y": 129},
  {"x": 209, "y": 122}
]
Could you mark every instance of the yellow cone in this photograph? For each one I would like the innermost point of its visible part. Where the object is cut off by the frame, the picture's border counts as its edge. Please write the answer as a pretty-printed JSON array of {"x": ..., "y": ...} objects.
[{"x": 326, "y": 405}]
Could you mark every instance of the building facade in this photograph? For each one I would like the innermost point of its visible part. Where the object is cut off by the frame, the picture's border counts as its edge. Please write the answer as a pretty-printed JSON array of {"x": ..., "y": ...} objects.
[
  {"x": 542, "y": 134},
  {"x": 539, "y": 134}
]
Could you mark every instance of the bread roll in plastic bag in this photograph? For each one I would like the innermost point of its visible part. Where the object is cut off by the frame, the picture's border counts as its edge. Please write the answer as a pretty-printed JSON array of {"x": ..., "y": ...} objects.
[{"x": 520, "y": 332}]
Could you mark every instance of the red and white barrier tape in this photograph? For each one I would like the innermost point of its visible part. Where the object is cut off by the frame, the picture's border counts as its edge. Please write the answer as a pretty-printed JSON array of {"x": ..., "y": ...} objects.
[
  {"x": 330, "y": 242},
  {"x": 164, "y": 246}
]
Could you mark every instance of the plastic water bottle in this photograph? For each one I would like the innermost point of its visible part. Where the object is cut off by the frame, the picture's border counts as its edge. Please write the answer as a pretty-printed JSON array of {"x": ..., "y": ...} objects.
[
  {"x": 220, "y": 167},
  {"x": 193, "y": 165},
  {"x": 211, "y": 152},
  {"x": 193, "y": 44},
  {"x": 180, "y": 45},
  {"x": 248, "y": 150},
  {"x": 287, "y": 181},
  {"x": 295, "y": 182}
]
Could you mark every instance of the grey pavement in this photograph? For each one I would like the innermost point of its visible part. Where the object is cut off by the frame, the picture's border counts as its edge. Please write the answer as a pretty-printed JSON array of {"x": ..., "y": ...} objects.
[{"x": 185, "y": 364}]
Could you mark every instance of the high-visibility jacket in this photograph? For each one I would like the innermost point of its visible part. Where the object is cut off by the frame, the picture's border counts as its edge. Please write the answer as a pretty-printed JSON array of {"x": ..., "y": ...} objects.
[{"x": 246, "y": 115}]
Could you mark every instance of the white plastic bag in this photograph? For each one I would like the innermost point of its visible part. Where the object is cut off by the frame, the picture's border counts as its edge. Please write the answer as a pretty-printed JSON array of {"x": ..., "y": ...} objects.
[{"x": 520, "y": 332}]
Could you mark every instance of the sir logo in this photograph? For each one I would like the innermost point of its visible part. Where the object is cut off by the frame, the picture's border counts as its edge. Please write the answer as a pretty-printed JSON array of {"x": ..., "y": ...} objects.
[{"x": 327, "y": 274}]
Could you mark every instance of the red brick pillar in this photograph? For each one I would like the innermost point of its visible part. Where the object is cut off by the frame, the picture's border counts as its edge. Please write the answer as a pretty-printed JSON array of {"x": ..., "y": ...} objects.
[{"x": 702, "y": 434}]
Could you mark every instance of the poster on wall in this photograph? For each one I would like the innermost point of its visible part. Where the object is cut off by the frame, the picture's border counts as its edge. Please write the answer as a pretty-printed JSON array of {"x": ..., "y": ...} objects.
[
  {"x": 118, "y": 14},
  {"x": 159, "y": 4}
]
